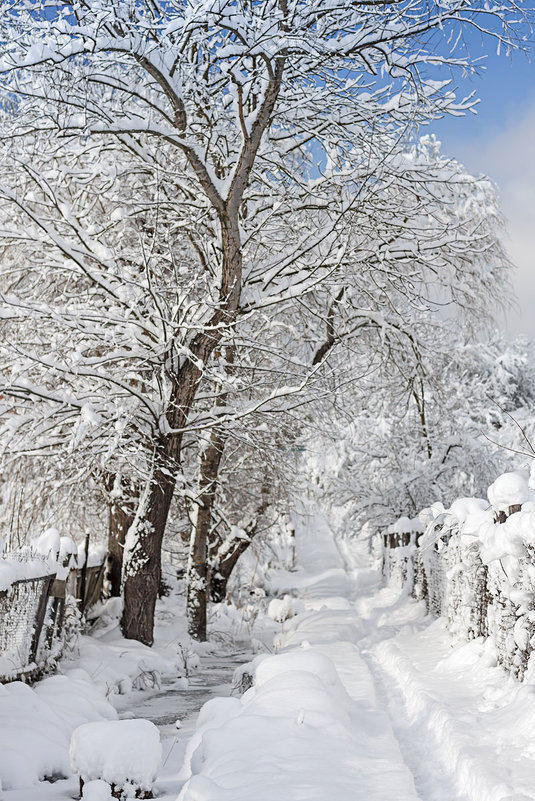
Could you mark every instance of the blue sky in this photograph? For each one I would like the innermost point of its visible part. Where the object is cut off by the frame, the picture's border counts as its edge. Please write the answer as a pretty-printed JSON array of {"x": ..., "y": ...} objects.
[{"x": 500, "y": 142}]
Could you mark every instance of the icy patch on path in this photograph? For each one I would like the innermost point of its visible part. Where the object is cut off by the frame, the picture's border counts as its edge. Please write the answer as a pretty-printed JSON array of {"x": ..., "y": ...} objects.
[{"x": 176, "y": 702}]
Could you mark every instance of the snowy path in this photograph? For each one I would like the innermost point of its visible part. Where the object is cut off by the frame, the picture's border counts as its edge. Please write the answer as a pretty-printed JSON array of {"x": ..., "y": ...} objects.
[
  {"x": 415, "y": 716},
  {"x": 432, "y": 781},
  {"x": 475, "y": 723},
  {"x": 333, "y": 628},
  {"x": 430, "y": 719}
]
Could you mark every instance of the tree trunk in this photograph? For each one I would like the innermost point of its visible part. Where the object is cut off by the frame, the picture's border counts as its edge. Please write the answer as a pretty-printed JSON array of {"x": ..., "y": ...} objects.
[
  {"x": 142, "y": 564},
  {"x": 198, "y": 580},
  {"x": 142, "y": 560},
  {"x": 121, "y": 517},
  {"x": 230, "y": 552},
  {"x": 197, "y": 576},
  {"x": 223, "y": 570}
]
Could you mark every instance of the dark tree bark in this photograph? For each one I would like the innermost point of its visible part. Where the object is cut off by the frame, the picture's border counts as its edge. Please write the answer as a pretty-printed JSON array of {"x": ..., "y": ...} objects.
[
  {"x": 142, "y": 573},
  {"x": 198, "y": 579},
  {"x": 221, "y": 574},
  {"x": 122, "y": 511}
]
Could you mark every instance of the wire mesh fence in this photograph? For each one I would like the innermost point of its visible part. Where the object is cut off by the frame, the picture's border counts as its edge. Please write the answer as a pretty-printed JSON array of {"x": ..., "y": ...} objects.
[
  {"x": 32, "y": 613},
  {"x": 22, "y": 614}
]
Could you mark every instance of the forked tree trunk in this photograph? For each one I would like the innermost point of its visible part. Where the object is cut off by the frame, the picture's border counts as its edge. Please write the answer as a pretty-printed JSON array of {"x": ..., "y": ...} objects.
[
  {"x": 223, "y": 570},
  {"x": 142, "y": 563},
  {"x": 142, "y": 567},
  {"x": 228, "y": 553}
]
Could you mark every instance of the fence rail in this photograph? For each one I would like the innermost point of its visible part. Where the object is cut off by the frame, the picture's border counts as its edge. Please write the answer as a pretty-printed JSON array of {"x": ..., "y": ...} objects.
[{"x": 32, "y": 614}]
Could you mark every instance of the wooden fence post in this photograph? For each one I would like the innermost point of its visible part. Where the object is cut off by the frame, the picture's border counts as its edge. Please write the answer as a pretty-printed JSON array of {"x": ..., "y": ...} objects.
[{"x": 40, "y": 616}]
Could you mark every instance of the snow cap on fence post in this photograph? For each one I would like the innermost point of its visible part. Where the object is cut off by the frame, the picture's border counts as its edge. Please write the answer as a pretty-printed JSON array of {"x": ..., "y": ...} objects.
[
  {"x": 508, "y": 493},
  {"x": 403, "y": 532},
  {"x": 68, "y": 553},
  {"x": 397, "y": 530}
]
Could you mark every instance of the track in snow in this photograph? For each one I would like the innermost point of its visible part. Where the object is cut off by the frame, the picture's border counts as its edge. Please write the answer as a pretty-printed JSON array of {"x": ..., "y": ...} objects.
[{"x": 418, "y": 747}]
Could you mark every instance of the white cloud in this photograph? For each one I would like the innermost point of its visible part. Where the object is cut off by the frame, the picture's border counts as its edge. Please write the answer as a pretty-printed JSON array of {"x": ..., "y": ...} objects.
[{"x": 509, "y": 159}]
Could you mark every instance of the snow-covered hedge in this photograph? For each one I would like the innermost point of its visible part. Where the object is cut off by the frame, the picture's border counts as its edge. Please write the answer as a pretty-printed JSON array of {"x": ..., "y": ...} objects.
[{"x": 474, "y": 564}]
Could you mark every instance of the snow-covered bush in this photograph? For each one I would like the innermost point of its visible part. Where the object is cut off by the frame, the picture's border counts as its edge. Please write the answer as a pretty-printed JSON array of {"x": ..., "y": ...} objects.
[
  {"x": 281, "y": 609},
  {"x": 124, "y": 753},
  {"x": 36, "y": 726}
]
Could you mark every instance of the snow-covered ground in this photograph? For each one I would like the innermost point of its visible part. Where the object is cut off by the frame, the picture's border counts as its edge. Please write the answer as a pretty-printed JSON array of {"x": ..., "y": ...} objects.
[{"x": 363, "y": 697}]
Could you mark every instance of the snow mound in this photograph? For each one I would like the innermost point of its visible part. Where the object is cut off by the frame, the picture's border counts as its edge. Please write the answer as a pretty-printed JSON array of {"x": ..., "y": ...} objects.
[
  {"x": 296, "y": 721},
  {"x": 97, "y": 790},
  {"x": 36, "y": 725},
  {"x": 302, "y": 661},
  {"x": 281, "y": 609},
  {"x": 464, "y": 508},
  {"x": 120, "y": 752},
  {"x": 48, "y": 544}
]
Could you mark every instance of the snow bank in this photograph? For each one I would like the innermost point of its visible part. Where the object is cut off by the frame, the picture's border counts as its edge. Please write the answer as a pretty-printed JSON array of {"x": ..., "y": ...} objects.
[
  {"x": 97, "y": 790},
  {"x": 36, "y": 726},
  {"x": 288, "y": 737},
  {"x": 119, "y": 666},
  {"x": 120, "y": 752},
  {"x": 477, "y": 725},
  {"x": 36, "y": 723}
]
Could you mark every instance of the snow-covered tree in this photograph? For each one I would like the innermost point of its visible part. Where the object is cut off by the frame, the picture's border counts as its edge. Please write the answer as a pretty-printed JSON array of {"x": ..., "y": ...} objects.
[
  {"x": 263, "y": 127},
  {"x": 384, "y": 457}
]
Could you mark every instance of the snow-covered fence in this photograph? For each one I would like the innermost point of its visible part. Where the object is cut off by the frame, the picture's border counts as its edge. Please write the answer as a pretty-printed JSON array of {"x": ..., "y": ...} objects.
[
  {"x": 90, "y": 591},
  {"x": 399, "y": 543},
  {"x": 22, "y": 614},
  {"x": 33, "y": 597},
  {"x": 474, "y": 566}
]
